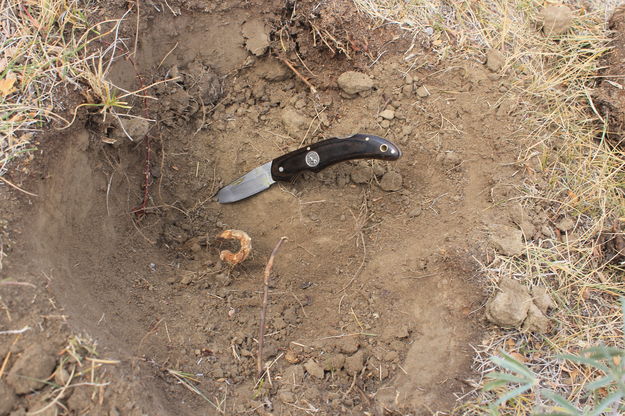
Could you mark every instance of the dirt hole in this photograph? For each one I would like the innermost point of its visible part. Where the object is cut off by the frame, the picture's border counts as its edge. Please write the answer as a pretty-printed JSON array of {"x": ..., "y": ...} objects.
[{"x": 375, "y": 301}]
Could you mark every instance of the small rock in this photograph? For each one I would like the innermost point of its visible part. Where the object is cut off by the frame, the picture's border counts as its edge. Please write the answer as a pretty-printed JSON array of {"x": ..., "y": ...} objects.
[
  {"x": 314, "y": 369},
  {"x": 494, "y": 60},
  {"x": 406, "y": 130},
  {"x": 509, "y": 307},
  {"x": 385, "y": 124},
  {"x": 355, "y": 363},
  {"x": 557, "y": 19},
  {"x": 415, "y": 212},
  {"x": 378, "y": 170},
  {"x": 256, "y": 37},
  {"x": 391, "y": 181},
  {"x": 507, "y": 240},
  {"x": 423, "y": 91},
  {"x": 406, "y": 91},
  {"x": 136, "y": 128},
  {"x": 7, "y": 398},
  {"x": 31, "y": 369},
  {"x": 536, "y": 321},
  {"x": 294, "y": 122},
  {"x": 352, "y": 82},
  {"x": 333, "y": 362},
  {"x": 566, "y": 224},
  {"x": 286, "y": 396},
  {"x": 347, "y": 345},
  {"x": 542, "y": 299},
  {"x": 388, "y": 114},
  {"x": 408, "y": 80},
  {"x": 361, "y": 174}
]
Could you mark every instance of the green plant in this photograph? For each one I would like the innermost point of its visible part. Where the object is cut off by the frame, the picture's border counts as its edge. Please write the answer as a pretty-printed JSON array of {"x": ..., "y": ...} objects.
[{"x": 603, "y": 396}]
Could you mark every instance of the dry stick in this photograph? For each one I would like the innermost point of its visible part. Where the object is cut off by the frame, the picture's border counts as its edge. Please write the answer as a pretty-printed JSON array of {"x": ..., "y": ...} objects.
[
  {"x": 263, "y": 311},
  {"x": 12, "y": 185},
  {"x": 300, "y": 76}
]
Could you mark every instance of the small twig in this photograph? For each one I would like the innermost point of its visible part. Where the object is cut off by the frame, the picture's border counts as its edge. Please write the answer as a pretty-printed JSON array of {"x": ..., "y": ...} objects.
[
  {"x": 15, "y": 331},
  {"x": 12, "y": 283},
  {"x": 12, "y": 185},
  {"x": 263, "y": 311},
  {"x": 299, "y": 75}
]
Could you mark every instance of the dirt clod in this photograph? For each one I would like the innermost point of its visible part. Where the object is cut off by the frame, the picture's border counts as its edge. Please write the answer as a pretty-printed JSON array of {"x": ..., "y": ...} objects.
[
  {"x": 294, "y": 121},
  {"x": 136, "y": 128},
  {"x": 293, "y": 374},
  {"x": 256, "y": 37},
  {"x": 272, "y": 70},
  {"x": 509, "y": 307},
  {"x": 31, "y": 370},
  {"x": 7, "y": 398},
  {"x": 388, "y": 114},
  {"x": 542, "y": 299},
  {"x": 494, "y": 60},
  {"x": 423, "y": 91},
  {"x": 536, "y": 321},
  {"x": 348, "y": 345},
  {"x": 557, "y": 19},
  {"x": 566, "y": 224},
  {"x": 352, "y": 82},
  {"x": 391, "y": 181},
  {"x": 507, "y": 240},
  {"x": 333, "y": 362},
  {"x": 314, "y": 369},
  {"x": 361, "y": 174},
  {"x": 355, "y": 363}
]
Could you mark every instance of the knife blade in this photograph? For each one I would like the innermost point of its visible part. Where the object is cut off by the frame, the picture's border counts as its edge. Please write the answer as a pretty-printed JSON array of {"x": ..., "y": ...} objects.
[{"x": 313, "y": 158}]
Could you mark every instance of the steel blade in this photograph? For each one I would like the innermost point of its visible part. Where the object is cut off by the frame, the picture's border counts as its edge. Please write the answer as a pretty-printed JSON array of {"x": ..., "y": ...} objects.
[{"x": 251, "y": 183}]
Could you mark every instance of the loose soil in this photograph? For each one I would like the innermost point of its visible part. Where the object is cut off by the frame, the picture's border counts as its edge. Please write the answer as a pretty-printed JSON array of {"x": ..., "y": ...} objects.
[{"x": 375, "y": 302}]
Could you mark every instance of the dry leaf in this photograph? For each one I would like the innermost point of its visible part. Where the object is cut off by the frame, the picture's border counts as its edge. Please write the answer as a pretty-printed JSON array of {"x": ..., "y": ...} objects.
[{"x": 6, "y": 84}]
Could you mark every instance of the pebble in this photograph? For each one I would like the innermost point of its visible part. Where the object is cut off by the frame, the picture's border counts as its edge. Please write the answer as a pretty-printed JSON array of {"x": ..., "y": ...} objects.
[
  {"x": 510, "y": 306},
  {"x": 385, "y": 124},
  {"x": 406, "y": 91},
  {"x": 415, "y": 212},
  {"x": 423, "y": 91},
  {"x": 408, "y": 80},
  {"x": 494, "y": 60},
  {"x": 391, "y": 181},
  {"x": 388, "y": 114},
  {"x": 352, "y": 82}
]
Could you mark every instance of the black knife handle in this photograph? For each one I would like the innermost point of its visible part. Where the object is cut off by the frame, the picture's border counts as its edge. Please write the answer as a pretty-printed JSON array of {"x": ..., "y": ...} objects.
[{"x": 325, "y": 153}]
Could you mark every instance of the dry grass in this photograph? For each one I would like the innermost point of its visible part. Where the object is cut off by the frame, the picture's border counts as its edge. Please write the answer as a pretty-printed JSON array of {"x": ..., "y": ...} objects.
[
  {"x": 48, "y": 48},
  {"x": 578, "y": 175}
]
